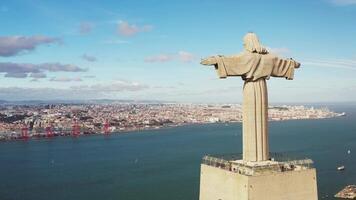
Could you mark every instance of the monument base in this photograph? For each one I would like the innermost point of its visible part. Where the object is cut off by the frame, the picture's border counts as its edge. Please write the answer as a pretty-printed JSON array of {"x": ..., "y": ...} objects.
[{"x": 269, "y": 180}]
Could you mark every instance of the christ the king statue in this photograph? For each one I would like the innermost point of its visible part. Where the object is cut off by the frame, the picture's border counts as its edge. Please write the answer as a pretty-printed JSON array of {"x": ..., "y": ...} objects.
[{"x": 254, "y": 65}]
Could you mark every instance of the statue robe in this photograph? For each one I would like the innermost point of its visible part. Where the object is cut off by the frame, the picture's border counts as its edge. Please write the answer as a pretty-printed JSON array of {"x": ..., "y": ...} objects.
[{"x": 255, "y": 68}]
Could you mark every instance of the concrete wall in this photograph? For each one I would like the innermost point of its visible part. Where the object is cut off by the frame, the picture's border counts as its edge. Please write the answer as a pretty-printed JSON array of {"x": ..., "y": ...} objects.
[
  {"x": 219, "y": 184},
  {"x": 292, "y": 185}
]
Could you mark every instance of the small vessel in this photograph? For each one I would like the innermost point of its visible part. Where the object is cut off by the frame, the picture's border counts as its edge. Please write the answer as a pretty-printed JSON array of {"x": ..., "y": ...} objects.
[
  {"x": 349, "y": 152},
  {"x": 341, "y": 168}
]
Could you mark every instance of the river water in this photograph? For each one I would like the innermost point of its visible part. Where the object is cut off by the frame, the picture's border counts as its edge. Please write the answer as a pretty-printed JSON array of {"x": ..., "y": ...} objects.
[{"x": 164, "y": 164}]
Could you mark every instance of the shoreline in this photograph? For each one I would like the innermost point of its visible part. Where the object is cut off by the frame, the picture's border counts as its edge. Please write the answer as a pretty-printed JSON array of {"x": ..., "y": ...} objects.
[{"x": 42, "y": 136}]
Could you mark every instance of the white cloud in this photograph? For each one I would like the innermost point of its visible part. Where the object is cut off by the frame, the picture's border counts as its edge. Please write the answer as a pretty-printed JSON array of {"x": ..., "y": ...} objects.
[
  {"x": 282, "y": 51},
  {"x": 336, "y": 63},
  {"x": 89, "y": 58},
  {"x": 65, "y": 79},
  {"x": 38, "y": 75},
  {"x": 58, "y": 67},
  {"x": 96, "y": 91},
  {"x": 182, "y": 56},
  {"x": 15, "y": 75},
  {"x": 186, "y": 56},
  {"x": 22, "y": 70},
  {"x": 159, "y": 58},
  {"x": 115, "y": 86},
  {"x": 89, "y": 76},
  {"x": 14, "y": 45},
  {"x": 85, "y": 27},
  {"x": 120, "y": 86},
  {"x": 126, "y": 29}
]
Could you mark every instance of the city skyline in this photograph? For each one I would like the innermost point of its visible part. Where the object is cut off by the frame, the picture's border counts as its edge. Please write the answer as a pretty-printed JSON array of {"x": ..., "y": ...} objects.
[{"x": 151, "y": 50}]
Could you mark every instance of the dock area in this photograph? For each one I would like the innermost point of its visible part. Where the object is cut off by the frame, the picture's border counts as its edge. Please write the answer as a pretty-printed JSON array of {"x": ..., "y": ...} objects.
[{"x": 349, "y": 192}]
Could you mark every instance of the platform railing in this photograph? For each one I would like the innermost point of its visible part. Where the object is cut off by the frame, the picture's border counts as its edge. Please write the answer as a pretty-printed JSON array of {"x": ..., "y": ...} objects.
[{"x": 282, "y": 163}]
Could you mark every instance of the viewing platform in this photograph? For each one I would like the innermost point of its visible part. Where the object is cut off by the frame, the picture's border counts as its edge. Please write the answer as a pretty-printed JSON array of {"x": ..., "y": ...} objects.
[{"x": 277, "y": 163}]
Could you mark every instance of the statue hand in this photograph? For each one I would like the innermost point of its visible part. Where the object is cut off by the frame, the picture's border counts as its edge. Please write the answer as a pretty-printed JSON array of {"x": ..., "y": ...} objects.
[
  {"x": 297, "y": 64},
  {"x": 209, "y": 61}
]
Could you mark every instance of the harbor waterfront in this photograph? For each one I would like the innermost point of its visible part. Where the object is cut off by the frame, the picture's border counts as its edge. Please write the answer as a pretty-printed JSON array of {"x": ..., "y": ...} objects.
[
  {"x": 38, "y": 120},
  {"x": 156, "y": 164}
]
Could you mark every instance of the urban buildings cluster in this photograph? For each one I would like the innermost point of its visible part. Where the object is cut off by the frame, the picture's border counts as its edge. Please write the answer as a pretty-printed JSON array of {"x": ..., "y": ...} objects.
[{"x": 24, "y": 121}]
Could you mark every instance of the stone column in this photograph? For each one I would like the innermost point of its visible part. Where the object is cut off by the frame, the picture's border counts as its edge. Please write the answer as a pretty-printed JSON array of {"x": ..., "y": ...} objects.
[{"x": 255, "y": 121}]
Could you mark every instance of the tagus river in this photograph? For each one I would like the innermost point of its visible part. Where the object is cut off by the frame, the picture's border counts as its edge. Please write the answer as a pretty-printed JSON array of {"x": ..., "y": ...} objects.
[{"x": 164, "y": 164}]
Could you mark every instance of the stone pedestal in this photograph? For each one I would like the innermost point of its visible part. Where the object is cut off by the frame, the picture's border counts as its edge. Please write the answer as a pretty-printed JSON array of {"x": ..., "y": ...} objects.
[{"x": 238, "y": 180}]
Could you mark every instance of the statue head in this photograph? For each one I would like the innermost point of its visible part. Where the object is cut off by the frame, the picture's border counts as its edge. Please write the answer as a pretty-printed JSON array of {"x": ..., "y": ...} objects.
[{"x": 252, "y": 44}]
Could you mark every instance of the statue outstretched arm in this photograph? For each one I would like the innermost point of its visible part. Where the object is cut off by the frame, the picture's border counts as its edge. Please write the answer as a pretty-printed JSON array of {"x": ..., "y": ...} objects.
[
  {"x": 218, "y": 62},
  {"x": 284, "y": 68},
  {"x": 226, "y": 66},
  {"x": 209, "y": 61}
]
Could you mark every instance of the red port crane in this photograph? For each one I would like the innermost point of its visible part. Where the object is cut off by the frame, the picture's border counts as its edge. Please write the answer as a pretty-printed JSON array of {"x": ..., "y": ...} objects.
[
  {"x": 106, "y": 127},
  {"x": 75, "y": 128},
  {"x": 24, "y": 132},
  {"x": 49, "y": 131}
]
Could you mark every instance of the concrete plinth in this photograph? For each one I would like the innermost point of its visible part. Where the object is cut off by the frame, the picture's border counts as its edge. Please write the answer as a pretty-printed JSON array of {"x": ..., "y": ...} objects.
[{"x": 238, "y": 182}]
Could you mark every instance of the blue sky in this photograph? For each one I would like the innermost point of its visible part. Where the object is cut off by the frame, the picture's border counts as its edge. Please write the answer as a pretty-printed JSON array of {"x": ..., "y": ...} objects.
[{"x": 150, "y": 50}]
